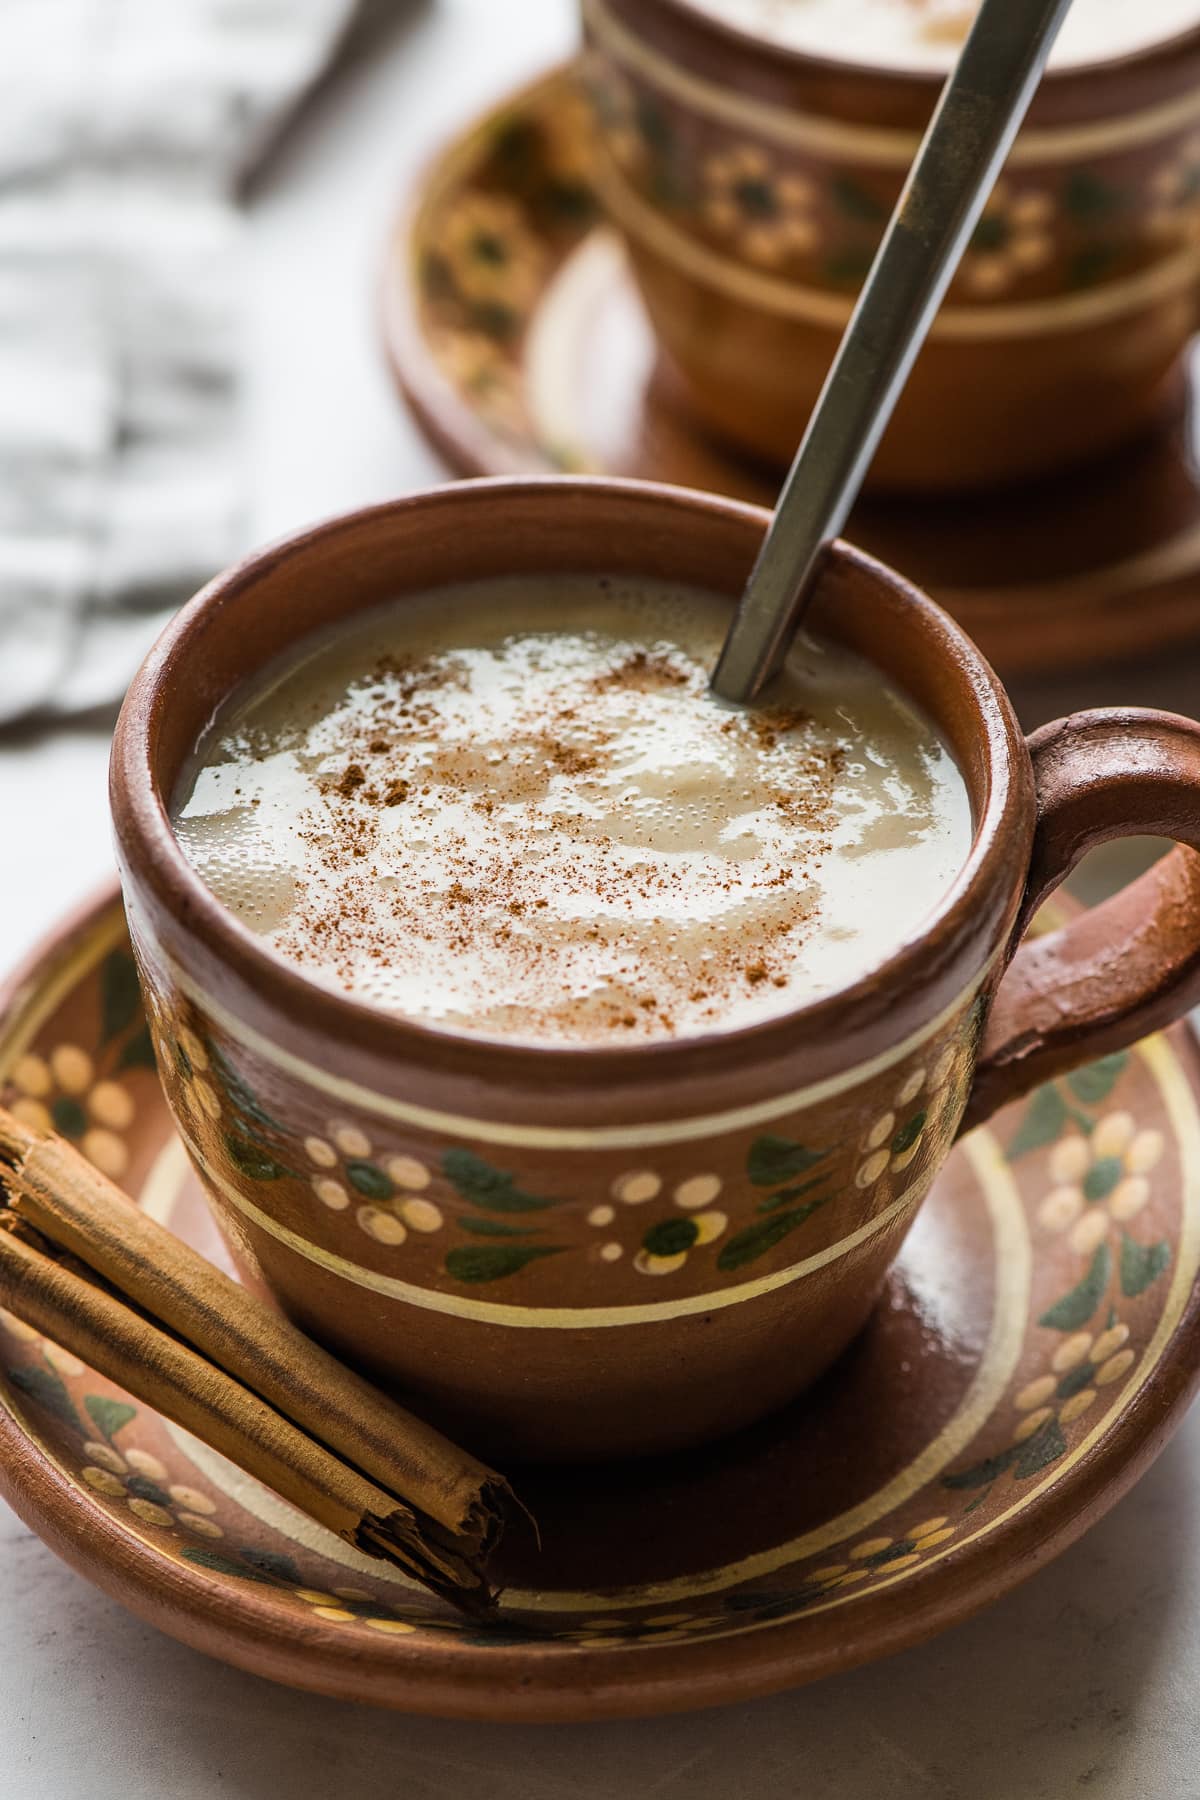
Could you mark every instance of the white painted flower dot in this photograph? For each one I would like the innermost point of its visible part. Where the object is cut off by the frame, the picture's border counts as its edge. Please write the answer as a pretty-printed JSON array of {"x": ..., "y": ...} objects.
[
  {"x": 881, "y": 1131},
  {"x": 1071, "y": 1352},
  {"x": 142, "y": 1463},
  {"x": 112, "y": 1105},
  {"x": 870, "y": 1171},
  {"x": 383, "y": 1226},
  {"x": 101, "y": 1481},
  {"x": 207, "y": 1098},
  {"x": 1129, "y": 1197},
  {"x": 911, "y": 1088},
  {"x": 105, "y": 1457},
  {"x": 1113, "y": 1135},
  {"x": 611, "y": 1252},
  {"x": 192, "y": 1500},
  {"x": 1075, "y": 1407},
  {"x": 851, "y": 1576},
  {"x": 1030, "y": 1423},
  {"x": 1115, "y": 1368},
  {"x": 407, "y": 1172},
  {"x": 636, "y": 1187},
  {"x": 34, "y": 1113},
  {"x": 1061, "y": 1208},
  {"x": 351, "y": 1141},
  {"x": 928, "y": 1540},
  {"x": 200, "y": 1525},
  {"x": 193, "y": 1049},
  {"x": 316, "y": 1597},
  {"x": 337, "y": 1615},
  {"x": 330, "y": 1193},
  {"x": 391, "y": 1627},
  {"x": 1108, "y": 1341},
  {"x": 602, "y": 1215},
  {"x": 830, "y": 1572},
  {"x": 709, "y": 1225},
  {"x": 63, "y": 1360},
  {"x": 321, "y": 1152},
  {"x": 697, "y": 1190},
  {"x": 1070, "y": 1159},
  {"x": 105, "y": 1151},
  {"x": 902, "y": 1158},
  {"x": 896, "y": 1563},
  {"x": 927, "y": 1526},
  {"x": 422, "y": 1215},
  {"x": 72, "y": 1068},
  {"x": 31, "y": 1075},
  {"x": 1144, "y": 1152},
  {"x": 646, "y": 1264},
  {"x": 1089, "y": 1233},
  {"x": 1035, "y": 1393}
]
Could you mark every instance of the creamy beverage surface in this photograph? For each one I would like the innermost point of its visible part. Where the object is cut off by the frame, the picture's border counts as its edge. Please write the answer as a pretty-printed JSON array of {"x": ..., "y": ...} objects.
[
  {"x": 928, "y": 34},
  {"x": 514, "y": 808}
]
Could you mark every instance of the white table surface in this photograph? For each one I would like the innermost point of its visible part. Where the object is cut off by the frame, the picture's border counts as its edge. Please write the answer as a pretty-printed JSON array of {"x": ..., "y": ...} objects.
[{"x": 1087, "y": 1681}]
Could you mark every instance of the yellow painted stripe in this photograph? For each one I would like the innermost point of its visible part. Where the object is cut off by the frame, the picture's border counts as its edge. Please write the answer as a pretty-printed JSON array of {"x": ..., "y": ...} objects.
[
  {"x": 960, "y": 324},
  {"x": 869, "y": 143}
]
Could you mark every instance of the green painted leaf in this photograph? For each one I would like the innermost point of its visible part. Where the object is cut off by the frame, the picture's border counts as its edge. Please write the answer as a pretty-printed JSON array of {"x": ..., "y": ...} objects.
[
  {"x": 756, "y": 1240},
  {"x": 493, "y": 1262},
  {"x": 222, "y": 1565},
  {"x": 483, "y": 1186},
  {"x": 120, "y": 995},
  {"x": 47, "y": 1387},
  {"x": 241, "y": 1096},
  {"x": 272, "y": 1562},
  {"x": 370, "y": 1180},
  {"x": 69, "y": 1117},
  {"x": 137, "y": 1052},
  {"x": 857, "y": 202},
  {"x": 1096, "y": 1081},
  {"x": 1074, "y": 1381},
  {"x": 1090, "y": 265},
  {"x": 670, "y": 1236},
  {"x": 497, "y": 1228},
  {"x": 908, "y": 1133},
  {"x": 251, "y": 1160},
  {"x": 1141, "y": 1265},
  {"x": 1044, "y": 1119},
  {"x": 1102, "y": 1178},
  {"x": 108, "y": 1416},
  {"x": 982, "y": 1474},
  {"x": 142, "y": 1488},
  {"x": 785, "y": 1196},
  {"x": 775, "y": 1159},
  {"x": 1039, "y": 1451},
  {"x": 1087, "y": 197},
  {"x": 1076, "y": 1308}
]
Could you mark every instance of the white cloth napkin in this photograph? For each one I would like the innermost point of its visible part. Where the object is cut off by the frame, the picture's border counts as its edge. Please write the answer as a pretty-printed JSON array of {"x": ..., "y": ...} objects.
[{"x": 126, "y": 127}]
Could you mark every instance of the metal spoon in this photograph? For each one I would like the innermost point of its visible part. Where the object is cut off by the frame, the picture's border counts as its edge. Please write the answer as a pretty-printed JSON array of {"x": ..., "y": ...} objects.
[{"x": 977, "y": 118}]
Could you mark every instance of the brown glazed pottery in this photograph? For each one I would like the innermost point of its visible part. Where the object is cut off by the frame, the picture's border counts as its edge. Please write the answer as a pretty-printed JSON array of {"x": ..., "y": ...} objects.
[
  {"x": 587, "y": 1251},
  {"x": 517, "y": 335},
  {"x": 1035, "y": 1345},
  {"x": 752, "y": 183}
]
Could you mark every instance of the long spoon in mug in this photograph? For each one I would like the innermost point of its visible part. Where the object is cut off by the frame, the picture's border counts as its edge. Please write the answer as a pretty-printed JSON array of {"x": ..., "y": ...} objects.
[{"x": 977, "y": 118}]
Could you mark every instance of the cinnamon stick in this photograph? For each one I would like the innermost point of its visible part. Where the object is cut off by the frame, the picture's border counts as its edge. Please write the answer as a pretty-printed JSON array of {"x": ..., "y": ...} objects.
[{"x": 188, "y": 1341}]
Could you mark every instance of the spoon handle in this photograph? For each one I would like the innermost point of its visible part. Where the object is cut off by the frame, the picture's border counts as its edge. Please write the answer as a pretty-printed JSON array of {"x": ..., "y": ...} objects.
[{"x": 977, "y": 118}]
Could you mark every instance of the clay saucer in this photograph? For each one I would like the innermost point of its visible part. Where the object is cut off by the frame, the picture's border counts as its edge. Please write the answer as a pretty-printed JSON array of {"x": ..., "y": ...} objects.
[
  {"x": 514, "y": 328},
  {"x": 1034, "y": 1350}
]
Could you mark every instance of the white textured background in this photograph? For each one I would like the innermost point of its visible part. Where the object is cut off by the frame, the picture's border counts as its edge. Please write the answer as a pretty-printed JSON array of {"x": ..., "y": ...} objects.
[{"x": 1086, "y": 1682}]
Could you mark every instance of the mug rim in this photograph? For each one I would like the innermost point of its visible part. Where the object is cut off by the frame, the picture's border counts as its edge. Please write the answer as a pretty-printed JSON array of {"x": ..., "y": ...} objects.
[
  {"x": 726, "y": 32},
  {"x": 904, "y": 991}
]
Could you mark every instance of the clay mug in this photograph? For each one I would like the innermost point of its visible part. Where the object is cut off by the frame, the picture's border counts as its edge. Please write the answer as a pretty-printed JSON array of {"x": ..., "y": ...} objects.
[
  {"x": 751, "y": 184},
  {"x": 592, "y": 1251}
]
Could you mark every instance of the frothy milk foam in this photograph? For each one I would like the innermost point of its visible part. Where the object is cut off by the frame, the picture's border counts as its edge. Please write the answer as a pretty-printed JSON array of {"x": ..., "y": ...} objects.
[
  {"x": 514, "y": 808},
  {"x": 928, "y": 34}
]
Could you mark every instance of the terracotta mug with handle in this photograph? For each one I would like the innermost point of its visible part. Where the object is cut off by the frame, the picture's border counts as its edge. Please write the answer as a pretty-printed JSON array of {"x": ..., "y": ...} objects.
[{"x": 588, "y": 1251}]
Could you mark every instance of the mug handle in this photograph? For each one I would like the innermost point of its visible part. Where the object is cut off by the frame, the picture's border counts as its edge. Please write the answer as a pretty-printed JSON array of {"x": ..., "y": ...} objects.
[{"x": 1131, "y": 965}]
